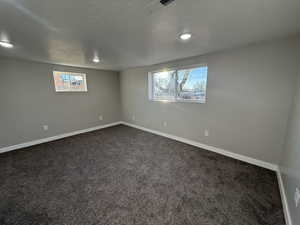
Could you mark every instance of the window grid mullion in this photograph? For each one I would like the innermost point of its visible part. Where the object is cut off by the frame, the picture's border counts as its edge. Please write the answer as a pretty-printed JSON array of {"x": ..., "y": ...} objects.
[{"x": 175, "y": 85}]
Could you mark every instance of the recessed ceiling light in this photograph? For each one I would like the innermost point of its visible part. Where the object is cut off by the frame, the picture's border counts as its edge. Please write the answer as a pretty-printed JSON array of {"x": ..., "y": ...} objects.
[
  {"x": 185, "y": 36},
  {"x": 96, "y": 60},
  {"x": 6, "y": 44}
]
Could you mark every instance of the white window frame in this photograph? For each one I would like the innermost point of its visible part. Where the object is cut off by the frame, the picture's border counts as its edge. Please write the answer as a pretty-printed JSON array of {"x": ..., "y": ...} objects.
[
  {"x": 151, "y": 86},
  {"x": 83, "y": 75}
]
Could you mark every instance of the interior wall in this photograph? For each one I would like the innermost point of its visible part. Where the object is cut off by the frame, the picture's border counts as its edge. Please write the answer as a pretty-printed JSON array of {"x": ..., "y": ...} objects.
[
  {"x": 290, "y": 162},
  {"x": 28, "y": 101},
  {"x": 249, "y": 94}
]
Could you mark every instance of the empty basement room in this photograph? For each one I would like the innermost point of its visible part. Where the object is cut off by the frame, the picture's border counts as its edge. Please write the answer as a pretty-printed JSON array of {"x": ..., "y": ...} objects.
[{"x": 150, "y": 112}]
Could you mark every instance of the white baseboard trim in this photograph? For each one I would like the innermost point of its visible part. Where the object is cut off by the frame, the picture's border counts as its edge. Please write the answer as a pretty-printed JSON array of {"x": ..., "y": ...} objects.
[
  {"x": 40, "y": 141},
  {"x": 184, "y": 140},
  {"x": 285, "y": 205},
  {"x": 243, "y": 158}
]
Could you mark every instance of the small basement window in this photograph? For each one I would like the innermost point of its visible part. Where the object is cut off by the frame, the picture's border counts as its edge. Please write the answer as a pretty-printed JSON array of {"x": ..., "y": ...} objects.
[
  {"x": 69, "y": 82},
  {"x": 179, "y": 85}
]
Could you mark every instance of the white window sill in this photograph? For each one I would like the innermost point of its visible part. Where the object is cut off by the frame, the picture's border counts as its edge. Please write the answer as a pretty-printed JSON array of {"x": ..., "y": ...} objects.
[{"x": 178, "y": 101}]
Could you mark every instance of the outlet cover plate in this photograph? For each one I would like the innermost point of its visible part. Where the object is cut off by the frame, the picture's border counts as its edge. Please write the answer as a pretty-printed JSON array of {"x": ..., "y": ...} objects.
[{"x": 206, "y": 132}]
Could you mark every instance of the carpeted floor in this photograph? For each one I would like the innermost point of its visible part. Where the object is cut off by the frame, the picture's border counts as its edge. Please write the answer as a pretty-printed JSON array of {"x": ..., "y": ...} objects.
[{"x": 124, "y": 176}]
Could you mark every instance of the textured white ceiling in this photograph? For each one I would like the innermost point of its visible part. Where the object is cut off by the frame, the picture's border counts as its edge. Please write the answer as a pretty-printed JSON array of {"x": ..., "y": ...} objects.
[{"x": 129, "y": 33}]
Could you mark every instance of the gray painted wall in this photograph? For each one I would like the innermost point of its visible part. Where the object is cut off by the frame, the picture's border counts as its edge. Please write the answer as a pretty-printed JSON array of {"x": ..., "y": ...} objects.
[
  {"x": 28, "y": 100},
  {"x": 249, "y": 94},
  {"x": 290, "y": 163},
  {"x": 250, "y": 91}
]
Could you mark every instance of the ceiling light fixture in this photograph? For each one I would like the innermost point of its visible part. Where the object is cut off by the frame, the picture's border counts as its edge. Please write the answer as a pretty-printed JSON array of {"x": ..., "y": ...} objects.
[
  {"x": 185, "y": 36},
  {"x": 6, "y": 44},
  {"x": 96, "y": 59}
]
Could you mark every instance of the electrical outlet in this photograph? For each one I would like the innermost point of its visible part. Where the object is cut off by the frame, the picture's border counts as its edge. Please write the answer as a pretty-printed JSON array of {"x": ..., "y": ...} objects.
[
  {"x": 100, "y": 117},
  {"x": 133, "y": 117},
  {"x": 165, "y": 124},
  {"x": 297, "y": 197},
  {"x": 206, "y": 132},
  {"x": 45, "y": 127}
]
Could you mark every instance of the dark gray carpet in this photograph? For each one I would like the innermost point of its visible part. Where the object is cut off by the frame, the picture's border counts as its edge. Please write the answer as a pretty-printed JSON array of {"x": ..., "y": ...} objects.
[{"x": 124, "y": 176}]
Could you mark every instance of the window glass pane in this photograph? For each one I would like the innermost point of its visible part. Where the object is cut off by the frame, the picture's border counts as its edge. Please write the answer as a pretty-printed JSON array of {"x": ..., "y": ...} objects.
[
  {"x": 76, "y": 83},
  {"x": 191, "y": 84},
  {"x": 164, "y": 85},
  {"x": 62, "y": 81}
]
